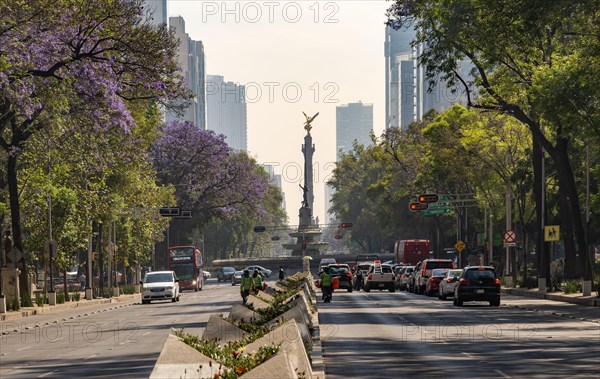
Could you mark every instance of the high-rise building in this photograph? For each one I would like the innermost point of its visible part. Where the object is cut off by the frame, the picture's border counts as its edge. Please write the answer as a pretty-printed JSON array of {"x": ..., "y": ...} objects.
[
  {"x": 407, "y": 93},
  {"x": 156, "y": 11},
  {"x": 227, "y": 115},
  {"x": 353, "y": 122},
  {"x": 275, "y": 179},
  {"x": 191, "y": 60}
]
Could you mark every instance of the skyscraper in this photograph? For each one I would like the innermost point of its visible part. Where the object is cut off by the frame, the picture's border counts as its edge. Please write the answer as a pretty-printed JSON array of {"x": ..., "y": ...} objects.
[
  {"x": 353, "y": 122},
  {"x": 193, "y": 69},
  {"x": 226, "y": 106},
  {"x": 407, "y": 94},
  {"x": 156, "y": 11}
]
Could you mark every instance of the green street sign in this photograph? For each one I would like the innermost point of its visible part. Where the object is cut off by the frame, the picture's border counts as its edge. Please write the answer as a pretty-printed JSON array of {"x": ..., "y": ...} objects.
[{"x": 442, "y": 207}]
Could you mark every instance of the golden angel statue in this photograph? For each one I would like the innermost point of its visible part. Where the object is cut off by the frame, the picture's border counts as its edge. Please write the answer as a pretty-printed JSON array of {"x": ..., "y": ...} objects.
[{"x": 307, "y": 125}]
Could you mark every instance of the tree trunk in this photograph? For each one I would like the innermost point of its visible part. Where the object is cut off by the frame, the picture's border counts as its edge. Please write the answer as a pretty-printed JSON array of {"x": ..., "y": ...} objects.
[
  {"x": 543, "y": 264},
  {"x": 570, "y": 188},
  {"x": 15, "y": 214}
]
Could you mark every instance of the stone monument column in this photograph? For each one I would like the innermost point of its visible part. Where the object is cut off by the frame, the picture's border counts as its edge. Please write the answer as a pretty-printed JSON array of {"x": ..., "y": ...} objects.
[{"x": 308, "y": 150}]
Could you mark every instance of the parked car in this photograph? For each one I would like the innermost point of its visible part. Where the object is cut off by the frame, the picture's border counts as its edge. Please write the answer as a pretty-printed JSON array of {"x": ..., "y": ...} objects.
[
  {"x": 448, "y": 283},
  {"x": 433, "y": 283},
  {"x": 477, "y": 283},
  {"x": 160, "y": 285},
  {"x": 237, "y": 278},
  {"x": 266, "y": 272},
  {"x": 402, "y": 277},
  {"x": 380, "y": 277},
  {"x": 225, "y": 274},
  {"x": 423, "y": 271},
  {"x": 342, "y": 271}
]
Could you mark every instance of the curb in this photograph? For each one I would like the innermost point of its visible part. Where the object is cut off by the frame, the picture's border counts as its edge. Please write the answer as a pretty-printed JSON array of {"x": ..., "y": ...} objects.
[
  {"x": 591, "y": 301},
  {"x": 31, "y": 311}
]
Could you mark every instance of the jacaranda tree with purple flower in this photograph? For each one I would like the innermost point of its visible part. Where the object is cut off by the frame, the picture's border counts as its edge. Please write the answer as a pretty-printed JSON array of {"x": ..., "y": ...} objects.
[
  {"x": 209, "y": 178},
  {"x": 81, "y": 59}
]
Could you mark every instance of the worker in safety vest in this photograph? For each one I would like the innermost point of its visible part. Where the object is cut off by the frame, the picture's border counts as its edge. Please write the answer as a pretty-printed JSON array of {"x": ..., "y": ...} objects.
[
  {"x": 257, "y": 281},
  {"x": 246, "y": 286},
  {"x": 326, "y": 283}
]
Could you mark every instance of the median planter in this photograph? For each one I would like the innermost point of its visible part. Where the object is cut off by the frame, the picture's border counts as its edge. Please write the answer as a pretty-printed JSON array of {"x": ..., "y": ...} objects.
[{"x": 265, "y": 339}]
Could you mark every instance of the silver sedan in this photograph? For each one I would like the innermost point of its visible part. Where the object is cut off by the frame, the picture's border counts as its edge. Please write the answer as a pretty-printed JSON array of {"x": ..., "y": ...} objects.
[{"x": 448, "y": 283}]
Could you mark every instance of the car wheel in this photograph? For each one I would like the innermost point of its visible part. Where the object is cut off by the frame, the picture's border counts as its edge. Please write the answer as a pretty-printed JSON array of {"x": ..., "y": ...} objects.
[
  {"x": 232, "y": 283},
  {"x": 174, "y": 299},
  {"x": 392, "y": 289},
  {"x": 349, "y": 289},
  {"x": 367, "y": 288},
  {"x": 495, "y": 303},
  {"x": 442, "y": 295},
  {"x": 196, "y": 289},
  {"x": 145, "y": 302},
  {"x": 459, "y": 302}
]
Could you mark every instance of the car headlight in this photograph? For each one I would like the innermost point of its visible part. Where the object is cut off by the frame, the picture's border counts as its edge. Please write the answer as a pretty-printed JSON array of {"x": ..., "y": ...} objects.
[
  {"x": 193, "y": 282},
  {"x": 169, "y": 288}
]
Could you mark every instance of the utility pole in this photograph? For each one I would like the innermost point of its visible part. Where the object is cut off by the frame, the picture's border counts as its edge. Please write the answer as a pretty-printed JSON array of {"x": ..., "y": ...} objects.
[{"x": 508, "y": 211}]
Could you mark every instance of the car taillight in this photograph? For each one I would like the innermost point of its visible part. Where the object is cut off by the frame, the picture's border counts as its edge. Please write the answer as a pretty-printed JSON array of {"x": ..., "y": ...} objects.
[
  {"x": 448, "y": 280},
  {"x": 349, "y": 275},
  {"x": 498, "y": 281},
  {"x": 465, "y": 282},
  {"x": 370, "y": 276}
]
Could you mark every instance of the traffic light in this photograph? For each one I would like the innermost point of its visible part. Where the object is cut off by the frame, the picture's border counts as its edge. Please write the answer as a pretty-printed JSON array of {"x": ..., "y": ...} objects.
[
  {"x": 346, "y": 225},
  {"x": 429, "y": 198},
  {"x": 304, "y": 245},
  {"x": 259, "y": 229},
  {"x": 94, "y": 256},
  {"x": 338, "y": 237},
  {"x": 416, "y": 207},
  {"x": 275, "y": 238}
]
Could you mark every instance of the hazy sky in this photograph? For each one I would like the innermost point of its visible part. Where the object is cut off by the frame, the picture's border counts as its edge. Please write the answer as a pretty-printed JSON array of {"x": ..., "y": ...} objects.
[{"x": 294, "y": 56}]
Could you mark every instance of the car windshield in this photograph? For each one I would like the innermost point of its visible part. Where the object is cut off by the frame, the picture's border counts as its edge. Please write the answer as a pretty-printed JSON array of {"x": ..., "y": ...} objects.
[
  {"x": 439, "y": 272},
  {"x": 480, "y": 274},
  {"x": 453, "y": 273},
  {"x": 228, "y": 269},
  {"x": 409, "y": 270},
  {"x": 439, "y": 264},
  {"x": 161, "y": 277},
  {"x": 338, "y": 270},
  {"x": 183, "y": 271}
]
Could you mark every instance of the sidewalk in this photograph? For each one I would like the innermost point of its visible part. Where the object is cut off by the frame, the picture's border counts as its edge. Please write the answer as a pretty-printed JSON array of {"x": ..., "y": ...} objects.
[
  {"x": 31, "y": 311},
  {"x": 574, "y": 298}
]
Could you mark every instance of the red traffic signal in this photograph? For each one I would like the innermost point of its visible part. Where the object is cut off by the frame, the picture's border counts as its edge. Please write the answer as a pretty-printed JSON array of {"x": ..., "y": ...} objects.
[
  {"x": 338, "y": 237},
  {"x": 304, "y": 244},
  {"x": 346, "y": 225},
  {"x": 429, "y": 198},
  {"x": 416, "y": 207}
]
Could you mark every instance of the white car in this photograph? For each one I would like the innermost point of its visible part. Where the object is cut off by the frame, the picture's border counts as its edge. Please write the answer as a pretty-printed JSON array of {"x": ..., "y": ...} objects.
[
  {"x": 265, "y": 271},
  {"x": 160, "y": 285},
  {"x": 448, "y": 284}
]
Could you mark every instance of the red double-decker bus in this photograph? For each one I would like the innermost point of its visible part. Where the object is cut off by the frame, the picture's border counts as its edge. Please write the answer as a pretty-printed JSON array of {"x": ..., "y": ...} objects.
[{"x": 187, "y": 262}]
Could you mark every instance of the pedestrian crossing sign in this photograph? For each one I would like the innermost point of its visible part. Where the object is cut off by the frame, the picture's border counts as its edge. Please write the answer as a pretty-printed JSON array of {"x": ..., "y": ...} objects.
[{"x": 551, "y": 233}]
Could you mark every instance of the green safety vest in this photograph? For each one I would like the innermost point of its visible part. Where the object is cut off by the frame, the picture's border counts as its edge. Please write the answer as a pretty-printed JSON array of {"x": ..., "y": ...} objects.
[
  {"x": 246, "y": 283},
  {"x": 257, "y": 281},
  {"x": 326, "y": 280}
]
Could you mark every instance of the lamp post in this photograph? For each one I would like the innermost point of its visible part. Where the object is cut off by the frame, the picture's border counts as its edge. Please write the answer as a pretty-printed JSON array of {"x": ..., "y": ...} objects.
[{"x": 589, "y": 258}]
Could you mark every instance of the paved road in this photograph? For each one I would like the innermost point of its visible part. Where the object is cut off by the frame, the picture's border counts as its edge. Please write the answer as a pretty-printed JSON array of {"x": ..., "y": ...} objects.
[
  {"x": 113, "y": 340},
  {"x": 399, "y": 335}
]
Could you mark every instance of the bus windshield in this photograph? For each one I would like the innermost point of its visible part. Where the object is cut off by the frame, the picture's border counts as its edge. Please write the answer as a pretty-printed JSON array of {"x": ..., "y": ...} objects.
[{"x": 184, "y": 272}]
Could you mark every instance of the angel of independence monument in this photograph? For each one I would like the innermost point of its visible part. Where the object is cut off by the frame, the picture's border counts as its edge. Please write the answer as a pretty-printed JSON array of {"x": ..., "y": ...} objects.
[{"x": 308, "y": 230}]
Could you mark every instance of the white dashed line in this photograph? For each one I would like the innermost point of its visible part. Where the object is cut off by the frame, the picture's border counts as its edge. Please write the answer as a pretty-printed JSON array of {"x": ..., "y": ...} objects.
[
  {"x": 46, "y": 374},
  {"x": 503, "y": 374},
  {"x": 91, "y": 356}
]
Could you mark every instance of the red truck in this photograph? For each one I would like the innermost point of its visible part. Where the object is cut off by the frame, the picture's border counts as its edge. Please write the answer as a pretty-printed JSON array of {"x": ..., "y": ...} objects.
[{"x": 411, "y": 252}]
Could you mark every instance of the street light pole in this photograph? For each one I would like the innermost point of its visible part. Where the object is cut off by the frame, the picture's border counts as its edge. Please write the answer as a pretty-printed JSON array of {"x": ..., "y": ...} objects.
[{"x": 589, "y": 261}]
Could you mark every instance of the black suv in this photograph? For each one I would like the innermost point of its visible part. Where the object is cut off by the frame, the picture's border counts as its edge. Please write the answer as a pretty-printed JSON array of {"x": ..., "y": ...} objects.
[
  {"x": 477, "y": 283},
  {"x": 342, "y": 271}
]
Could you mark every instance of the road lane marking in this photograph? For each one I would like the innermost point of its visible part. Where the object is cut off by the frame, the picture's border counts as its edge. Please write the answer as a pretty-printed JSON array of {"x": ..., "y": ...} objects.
[
  {"x": 90, "y": 357},
  {"x": 503, "y": 374},
  {"x": 24, "y": 348},
  {"x": 145, "y": 334},
  {"x": 467, "y": 354},
  {"x": 48, "y": 373}
]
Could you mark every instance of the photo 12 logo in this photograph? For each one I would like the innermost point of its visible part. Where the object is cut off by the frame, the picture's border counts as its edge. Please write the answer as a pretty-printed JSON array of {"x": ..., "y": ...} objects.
[
  {"x": 254, "y": 92},
  {"x": 253, "y": 12}
]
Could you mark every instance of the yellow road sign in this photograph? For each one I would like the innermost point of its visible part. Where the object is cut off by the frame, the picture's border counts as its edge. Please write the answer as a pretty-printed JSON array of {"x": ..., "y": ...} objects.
[
  {"x": 460, "y": 245},
  {"x": 552, "y": 233}
]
